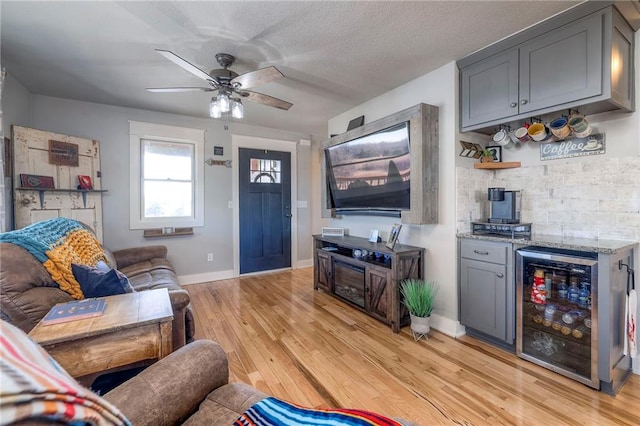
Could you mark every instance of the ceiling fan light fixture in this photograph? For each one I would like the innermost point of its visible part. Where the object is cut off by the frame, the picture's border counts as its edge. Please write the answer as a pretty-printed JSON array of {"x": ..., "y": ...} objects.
[
  {"x": 214, "y": 109},
  {"x": 223, "y": 102},
  {"x": 237, "y": 109}
]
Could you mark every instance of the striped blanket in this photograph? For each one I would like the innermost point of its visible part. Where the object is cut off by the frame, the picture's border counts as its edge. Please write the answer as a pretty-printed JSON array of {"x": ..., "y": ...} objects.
[
  {"x": 274, "y": 412},
  {"x": 34, "y": 386},
  {"x": 58, "y": 243}
]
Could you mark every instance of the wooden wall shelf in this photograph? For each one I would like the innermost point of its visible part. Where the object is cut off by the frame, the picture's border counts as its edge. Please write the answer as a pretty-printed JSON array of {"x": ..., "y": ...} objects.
[
  {"x": 41, "y": 192},
  {"x": 494, "y": 166},
  {"x": 174, "y": 232}
]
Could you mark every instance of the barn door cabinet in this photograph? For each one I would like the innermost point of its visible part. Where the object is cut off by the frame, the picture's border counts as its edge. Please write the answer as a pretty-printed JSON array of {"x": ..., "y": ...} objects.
[
  {"x": 584, "y": 64},
  {"x": 487, "y": 289},
  {"x": 369, "y": 283}
]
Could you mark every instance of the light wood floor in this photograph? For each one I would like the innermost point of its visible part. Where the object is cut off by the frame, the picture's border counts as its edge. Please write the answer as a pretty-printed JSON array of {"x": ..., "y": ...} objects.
[{"x": 304, "y": 346}]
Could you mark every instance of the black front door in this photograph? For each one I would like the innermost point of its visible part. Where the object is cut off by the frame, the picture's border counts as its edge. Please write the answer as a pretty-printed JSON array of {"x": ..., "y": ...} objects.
[{"x": 265, "y": 210}]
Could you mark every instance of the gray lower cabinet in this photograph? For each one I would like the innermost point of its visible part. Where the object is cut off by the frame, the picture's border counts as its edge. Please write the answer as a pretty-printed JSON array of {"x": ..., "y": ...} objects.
[
  {"x": 585, "y": 64},
  {"x": 487, "y": 291}
]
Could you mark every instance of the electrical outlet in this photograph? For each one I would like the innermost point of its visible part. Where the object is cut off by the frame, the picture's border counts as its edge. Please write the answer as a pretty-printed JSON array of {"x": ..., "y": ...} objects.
[{"x": 209, "y": 257}]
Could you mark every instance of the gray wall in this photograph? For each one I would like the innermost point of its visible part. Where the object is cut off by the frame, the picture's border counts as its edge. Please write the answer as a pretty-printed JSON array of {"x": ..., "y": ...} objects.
[
  {"x": 110, "y": 125},
  {"x": 435, "y": 88},
  {"x": 16, "y": 109}
]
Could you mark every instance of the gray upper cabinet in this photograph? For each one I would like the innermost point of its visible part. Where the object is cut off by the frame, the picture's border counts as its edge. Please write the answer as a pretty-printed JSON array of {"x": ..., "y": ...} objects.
[
  {"x": 583, "y": 63},
  {"x": 491, "y": 89},
  {"x": 563, "y": 66}
]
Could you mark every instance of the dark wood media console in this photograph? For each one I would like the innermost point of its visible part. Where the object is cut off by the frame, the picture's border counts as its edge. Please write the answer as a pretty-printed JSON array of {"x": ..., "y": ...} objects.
[{"x": 370, "y": 283}]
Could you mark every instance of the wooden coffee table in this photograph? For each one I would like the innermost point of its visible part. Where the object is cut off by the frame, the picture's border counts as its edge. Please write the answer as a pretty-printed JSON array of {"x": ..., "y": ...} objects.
[{"x": 135, "y": 328}]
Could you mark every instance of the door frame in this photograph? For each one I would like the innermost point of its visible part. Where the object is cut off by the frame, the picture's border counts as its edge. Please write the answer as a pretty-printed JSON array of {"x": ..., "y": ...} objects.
[{"x": 253, "y": 142}]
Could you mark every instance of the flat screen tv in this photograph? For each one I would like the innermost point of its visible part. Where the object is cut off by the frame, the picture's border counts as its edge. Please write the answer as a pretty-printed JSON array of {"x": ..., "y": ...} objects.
[{"x": 370, "y": 174}]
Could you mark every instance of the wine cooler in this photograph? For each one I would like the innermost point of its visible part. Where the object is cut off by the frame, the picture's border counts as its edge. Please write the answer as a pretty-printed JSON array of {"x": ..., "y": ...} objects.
[{"x": 557, "y": 321}]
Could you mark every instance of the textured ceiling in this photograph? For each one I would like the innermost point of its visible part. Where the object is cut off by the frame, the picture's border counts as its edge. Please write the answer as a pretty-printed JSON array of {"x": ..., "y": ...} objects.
[{"x": 335, "y": 55}]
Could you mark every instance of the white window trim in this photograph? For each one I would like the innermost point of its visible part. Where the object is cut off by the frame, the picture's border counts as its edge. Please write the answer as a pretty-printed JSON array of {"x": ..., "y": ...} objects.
[{"x": 160, "y": 132}]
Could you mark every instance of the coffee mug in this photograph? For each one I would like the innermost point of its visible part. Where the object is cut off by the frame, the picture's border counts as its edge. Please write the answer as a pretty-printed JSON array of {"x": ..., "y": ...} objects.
[
  {"x": 584, "y": 134},
  {"x": 537, "y": 131},
  {"x": 502, "y": 138},
  {"x": 580, "y": 126},
  {"x": 522, "y": 134},
  {"x": 560, "y": 128}
]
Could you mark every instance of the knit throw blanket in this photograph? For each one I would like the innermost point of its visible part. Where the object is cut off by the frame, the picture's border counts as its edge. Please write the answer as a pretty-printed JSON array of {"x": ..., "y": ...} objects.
[
  {"x": 274, "y": 412},
  {"x": 58, "y": 243},
  {"x": 35, "y": 387}
]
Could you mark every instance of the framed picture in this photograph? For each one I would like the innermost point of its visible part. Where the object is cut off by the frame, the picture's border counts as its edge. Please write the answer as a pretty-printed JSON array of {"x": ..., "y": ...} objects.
[
  {"x": 85, "y": 182},
  {"x": 373, "y": 236},
  {"x": 36, "y": 182},
  {"x": 496, "y": 152},
  {"x": 393, "y": 235}
]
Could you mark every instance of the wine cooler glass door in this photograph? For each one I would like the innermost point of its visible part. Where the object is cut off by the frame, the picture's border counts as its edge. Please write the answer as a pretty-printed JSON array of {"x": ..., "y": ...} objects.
[{"x": 557, "y": 312}]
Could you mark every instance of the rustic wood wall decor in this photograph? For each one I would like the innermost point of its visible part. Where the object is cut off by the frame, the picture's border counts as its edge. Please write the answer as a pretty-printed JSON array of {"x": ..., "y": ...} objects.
[
  {"x": 63, "y": 153},
  {"x": 471, "y": 150}
]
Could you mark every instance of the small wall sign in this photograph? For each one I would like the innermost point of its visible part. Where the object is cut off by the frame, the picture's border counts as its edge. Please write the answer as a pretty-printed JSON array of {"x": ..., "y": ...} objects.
[
  {"x": 63, "y": 153},
  {"x": 578, "y": 147},
  {"x": 35, "y": 181},
  {"x": 218, "y": 150}
]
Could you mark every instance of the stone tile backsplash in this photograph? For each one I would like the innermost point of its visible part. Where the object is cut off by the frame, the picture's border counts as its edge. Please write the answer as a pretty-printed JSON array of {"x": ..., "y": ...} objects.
[{"x": 574, "y": 198}]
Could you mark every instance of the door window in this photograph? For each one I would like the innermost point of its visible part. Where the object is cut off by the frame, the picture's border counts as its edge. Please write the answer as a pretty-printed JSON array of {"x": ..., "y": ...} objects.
[{"x": 264, "y": 171}]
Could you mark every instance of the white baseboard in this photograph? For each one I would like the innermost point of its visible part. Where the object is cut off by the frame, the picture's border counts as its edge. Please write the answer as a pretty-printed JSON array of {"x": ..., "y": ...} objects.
[
  {"x": 447, "y": 326},
  {"x": 225, "y": 275},
  {"x": 305, "y": 263},
  {"x": 205, "y": 277}
]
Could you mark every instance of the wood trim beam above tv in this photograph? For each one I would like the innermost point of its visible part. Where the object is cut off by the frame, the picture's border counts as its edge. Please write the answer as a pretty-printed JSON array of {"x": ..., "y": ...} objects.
[{"x": 424, "y": 145}]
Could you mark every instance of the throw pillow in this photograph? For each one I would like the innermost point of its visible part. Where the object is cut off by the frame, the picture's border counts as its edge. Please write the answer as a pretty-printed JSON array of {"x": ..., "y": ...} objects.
[
  {"x": 275, "y": 412},
  {"x": 35, "y": 387},
  {"x": 95, "y": 282}
]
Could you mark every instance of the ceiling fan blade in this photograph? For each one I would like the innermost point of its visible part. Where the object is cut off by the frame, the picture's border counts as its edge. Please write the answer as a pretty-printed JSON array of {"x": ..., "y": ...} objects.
[
  {"x": 265, "y": 99},
  {"x": 257, "y": 77},
  {"x": 179, "y": 89},
  {"x": 184, "y": 64}
]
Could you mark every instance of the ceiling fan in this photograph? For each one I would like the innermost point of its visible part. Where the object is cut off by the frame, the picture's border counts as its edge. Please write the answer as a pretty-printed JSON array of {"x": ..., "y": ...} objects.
[{"x": 231, "y": 86}]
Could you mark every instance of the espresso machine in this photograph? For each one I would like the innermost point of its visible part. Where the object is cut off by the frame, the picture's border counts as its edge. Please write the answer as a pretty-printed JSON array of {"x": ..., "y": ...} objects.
[
  {"x": 504, "y": 216},
  {"x": 505, "y": 206}
]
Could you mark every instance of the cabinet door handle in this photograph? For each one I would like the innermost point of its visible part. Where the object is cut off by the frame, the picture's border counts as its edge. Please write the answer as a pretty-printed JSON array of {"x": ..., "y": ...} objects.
[
  {"x": 523, "y": 102},
  {"x": 500, "y": 275},
  {"x": 484, "y": 253},
  {"x": 514, "y": 104}
]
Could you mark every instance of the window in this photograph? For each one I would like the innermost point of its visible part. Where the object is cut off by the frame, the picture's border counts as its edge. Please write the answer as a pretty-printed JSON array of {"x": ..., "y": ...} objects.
[
  {"x": 265, "y": 171},
  {"x": 167, "y": 188}
]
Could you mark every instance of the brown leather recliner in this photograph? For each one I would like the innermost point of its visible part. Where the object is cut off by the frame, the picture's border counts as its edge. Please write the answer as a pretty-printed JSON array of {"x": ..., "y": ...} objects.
[
  {"x": 27, "y": 291},
  {"x": 190, "y": 387}
]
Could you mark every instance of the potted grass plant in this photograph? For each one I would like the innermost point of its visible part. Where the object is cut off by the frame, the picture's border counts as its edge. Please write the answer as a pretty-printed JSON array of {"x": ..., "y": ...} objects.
[{"x": 419, "y": 297}]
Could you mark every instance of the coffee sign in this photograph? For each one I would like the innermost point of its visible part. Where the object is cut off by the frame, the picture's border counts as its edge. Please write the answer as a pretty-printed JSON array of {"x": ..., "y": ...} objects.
[{"x": 578, "y": 147}]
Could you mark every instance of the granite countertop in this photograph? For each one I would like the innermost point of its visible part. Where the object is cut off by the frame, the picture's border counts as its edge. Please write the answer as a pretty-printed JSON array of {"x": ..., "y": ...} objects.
[{"x": 593, "y": 245}]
